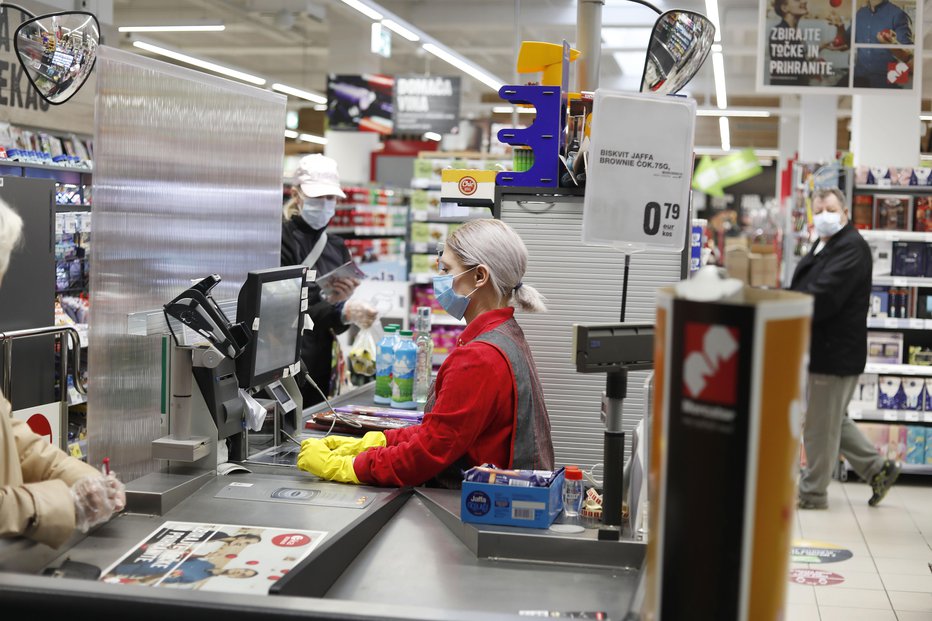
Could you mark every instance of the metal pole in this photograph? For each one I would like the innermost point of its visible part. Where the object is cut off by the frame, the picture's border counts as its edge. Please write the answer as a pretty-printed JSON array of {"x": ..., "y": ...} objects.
[
  {"x": 182, "y": 376},
  {"x": 589, "y": 42},
  {"x": 63, "y": 391},
  {"x": 7, "y": 367}
]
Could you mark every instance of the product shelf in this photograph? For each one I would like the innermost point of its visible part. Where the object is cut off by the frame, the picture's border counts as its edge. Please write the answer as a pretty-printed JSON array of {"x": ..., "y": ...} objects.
[
  {"x": 894, "y": 323},
  {"x": 915, "y": 469},
  {"x": 434, "y": 216},
  {"x": 895, "y": 189},
  {"x": 910, "y": 417},
  {"x": 370, "y": 231},
  {"x": 423, "y": 247},
  {"x": 898, "y": 369},
  {"x": 892, "y": 236},
  {"x": 902, "y": 281}
]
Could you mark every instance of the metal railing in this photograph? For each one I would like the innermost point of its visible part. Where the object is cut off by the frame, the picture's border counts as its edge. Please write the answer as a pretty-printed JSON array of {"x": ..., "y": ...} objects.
[{"x": 59, "y": 332}]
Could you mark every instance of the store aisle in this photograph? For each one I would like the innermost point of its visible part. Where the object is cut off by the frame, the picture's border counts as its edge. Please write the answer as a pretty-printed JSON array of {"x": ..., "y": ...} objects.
[{"x": 888, "y": 575}]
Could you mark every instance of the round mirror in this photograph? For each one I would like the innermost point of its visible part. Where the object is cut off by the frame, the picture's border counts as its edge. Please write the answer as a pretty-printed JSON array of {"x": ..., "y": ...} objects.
[
  {"x": 58, "y": 52},
  {"x": 678, "y": 46}
]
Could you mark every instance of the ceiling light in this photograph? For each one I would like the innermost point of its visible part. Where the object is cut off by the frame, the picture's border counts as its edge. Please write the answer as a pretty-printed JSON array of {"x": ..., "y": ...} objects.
[
  {"x": 400, "y": 30},
  {"x": 320, "y": 107},
  {"x": 725, "y": 132},
  {"x": 312, "y": 138},
  {"x": 189, "y": 28},
  {"x": 718, "y": 69},
  {"x": 510, "y": 109},
  {"x": 925, "y": 117},
  {"x": 432, "y": 136},
  {"x": 711, "y": 11},
  {"x": 297, "y": 92},
  {"x": 463, "y": 65},
  {"x": 763, "y": 114},
  {"x": 291, "y": 133},
  {"x": 364, "y": 9},
  {"x": 197, "y": 62},
  {"x": 716, "y": 47}
]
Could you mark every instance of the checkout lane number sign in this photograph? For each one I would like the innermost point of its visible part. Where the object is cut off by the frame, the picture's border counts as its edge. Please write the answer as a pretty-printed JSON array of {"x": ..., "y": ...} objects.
[{"x": 640, "y": 163}]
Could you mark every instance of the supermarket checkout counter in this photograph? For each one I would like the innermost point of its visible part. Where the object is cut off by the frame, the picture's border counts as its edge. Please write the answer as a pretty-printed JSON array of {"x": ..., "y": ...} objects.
[{"x": 387, "y": 554}]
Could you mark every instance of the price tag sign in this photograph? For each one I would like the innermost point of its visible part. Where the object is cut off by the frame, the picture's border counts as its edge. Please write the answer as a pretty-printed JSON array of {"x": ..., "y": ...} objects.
[
  {"x": 890, "y": 416},
  {"x": 891, "y": 323},
  {"x": 855, "y": 414},
  {"x": 917, "y": 324},
  {"x": 900, "y": 282},
  {"x": 912, "y": 417},
  {"x": 638, "y": 180}
]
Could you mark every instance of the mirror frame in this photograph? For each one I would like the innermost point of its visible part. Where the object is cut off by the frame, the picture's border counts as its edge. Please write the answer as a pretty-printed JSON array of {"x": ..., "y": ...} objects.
[
  {"x": 647, "y": 53},
  {"x": 27, "y": 70}
]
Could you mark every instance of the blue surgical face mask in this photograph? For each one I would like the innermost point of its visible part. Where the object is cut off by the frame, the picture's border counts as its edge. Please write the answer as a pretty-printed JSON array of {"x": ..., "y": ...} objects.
[
  {"x": 451, "y": 301},
  {"x": 318, "y": 211}
]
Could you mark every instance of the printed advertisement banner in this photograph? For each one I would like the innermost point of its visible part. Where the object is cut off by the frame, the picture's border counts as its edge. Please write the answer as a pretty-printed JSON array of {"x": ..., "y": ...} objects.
[
  {"x": 360, "y": 103},
  {"x": 839, "y": 46},
  {"x": 426, "y": 104}
]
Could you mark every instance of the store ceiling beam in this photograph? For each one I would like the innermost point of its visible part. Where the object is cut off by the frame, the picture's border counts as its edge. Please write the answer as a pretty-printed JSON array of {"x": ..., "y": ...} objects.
[{"x": 222, "y": 7}]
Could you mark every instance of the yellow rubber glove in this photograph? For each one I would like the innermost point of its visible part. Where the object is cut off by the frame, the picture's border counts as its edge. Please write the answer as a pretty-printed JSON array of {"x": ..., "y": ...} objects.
[
  {"x": 317, "y": 458},
  {"x": 345, "y": 445}
]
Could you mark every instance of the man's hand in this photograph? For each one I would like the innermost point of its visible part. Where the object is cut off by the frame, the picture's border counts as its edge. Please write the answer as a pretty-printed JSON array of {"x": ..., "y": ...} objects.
[
  {"x": 342, "y": 289},
  {"x": 359, "y": 313}
]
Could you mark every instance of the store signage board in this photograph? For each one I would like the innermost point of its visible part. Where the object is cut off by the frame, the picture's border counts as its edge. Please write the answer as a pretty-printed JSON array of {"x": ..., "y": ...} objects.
[
  {"x": 640, "y": 165},
  {"x": 44, "y": 420},
  {"x": 360, "y": 103},
  {"x": 819, "y": 552},
  {"x": 712, "y": 176},
  {"x": 841, "y": 47},
  {"x": 426, "y": 103}
]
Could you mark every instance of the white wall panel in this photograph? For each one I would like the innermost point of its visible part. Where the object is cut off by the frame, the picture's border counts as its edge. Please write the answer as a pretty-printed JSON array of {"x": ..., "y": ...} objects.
[
  {"x": 582, "y": 284},
  {"x": 187, "y": 182}
]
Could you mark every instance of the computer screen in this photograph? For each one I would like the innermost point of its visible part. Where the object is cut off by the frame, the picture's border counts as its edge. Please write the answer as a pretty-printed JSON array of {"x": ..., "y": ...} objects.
[{"x": 269, "y": 305}]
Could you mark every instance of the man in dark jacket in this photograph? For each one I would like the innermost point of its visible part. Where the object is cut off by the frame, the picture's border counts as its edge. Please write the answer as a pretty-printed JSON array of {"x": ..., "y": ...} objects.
[
  {"x": 837, "y": 273},
  {"x": 306, "y": 241}
]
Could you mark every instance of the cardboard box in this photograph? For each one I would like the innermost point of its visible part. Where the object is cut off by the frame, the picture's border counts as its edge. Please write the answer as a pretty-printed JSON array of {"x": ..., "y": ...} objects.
[
  {"x": 922, "y": 215},
  {"x": 892, "y": 212},
  {"x": 763, "y": 270},
  {"x": 891, "y": 395},
  {"x": 885, "y": 347},
  {"x": 915, "y": 445},
  {"x": 882, "y": 255},
  {"x": 507, "y": 505},
  {"x": 738, "y": 263},
  {"x": 863, "y": 211},
  {"x": 909, "y": 259},
  {"x": 880, "y": 302}
]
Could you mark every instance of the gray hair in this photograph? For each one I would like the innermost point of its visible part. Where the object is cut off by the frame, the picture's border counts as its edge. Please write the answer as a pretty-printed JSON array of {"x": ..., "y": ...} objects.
[
  {"x": 494, "y": 244},
  {"x": 823, "y": 193},
  {"x": 11, "y": 228}
]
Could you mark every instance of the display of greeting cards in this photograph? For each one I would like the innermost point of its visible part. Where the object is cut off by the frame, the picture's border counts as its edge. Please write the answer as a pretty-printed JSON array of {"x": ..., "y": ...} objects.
[{"x": 213, "y": 557}]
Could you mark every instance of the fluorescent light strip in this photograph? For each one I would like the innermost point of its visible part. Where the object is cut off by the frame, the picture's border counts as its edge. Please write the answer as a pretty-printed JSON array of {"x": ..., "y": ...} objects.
[
  {"x": 320, "y": 107},
  {"x": 297, "y": 92},
  {"x": 725, "y": 132},
  {"x": 925, "y": 117},
  {"x": 290, "y": 133},
  {"x": 711, "y": 11},
  {"x": 718, "y": 69},
  {"x": 197, "y": 62},
  {"x": 364, "y": 9},
  {"x": 763, "y": 114},
  {"x": 192, "y": 28},
  {"x": 433, "y": 136},
  {"x": 312, "y": 138},
  {"x": 400, "y": 30},
  {"x": 463, "y": 66},
  {"x": 510, "y": 109}
]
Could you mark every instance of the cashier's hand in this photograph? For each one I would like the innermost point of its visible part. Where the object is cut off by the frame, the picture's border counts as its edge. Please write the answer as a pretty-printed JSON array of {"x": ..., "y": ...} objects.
[
  {"x": 318, "y": 459},
  {"x": 347, "y": 445},
  {"x": 359, "y": 313},
  {"x": 342, "y": 289},
  {"x": 96, "y": 499}
]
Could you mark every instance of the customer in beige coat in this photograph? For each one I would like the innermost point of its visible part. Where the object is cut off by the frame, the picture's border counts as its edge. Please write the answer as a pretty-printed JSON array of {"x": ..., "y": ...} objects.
[{"x": 44, "y": 493}]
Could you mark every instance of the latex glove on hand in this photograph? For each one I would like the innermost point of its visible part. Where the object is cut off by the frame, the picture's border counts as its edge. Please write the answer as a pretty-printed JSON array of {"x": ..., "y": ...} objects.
[
  {"x": 342, "y": 289},
  {"x": 359, "y": 313},
  {"x": 95, "y": 500},
  {"x": 346, "y": 445},
  {"x": 318, "y": 459}
]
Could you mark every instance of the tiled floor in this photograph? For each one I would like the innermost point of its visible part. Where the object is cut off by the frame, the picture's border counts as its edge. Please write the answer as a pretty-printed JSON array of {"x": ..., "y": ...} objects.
[{"x": 888, "y": 578}]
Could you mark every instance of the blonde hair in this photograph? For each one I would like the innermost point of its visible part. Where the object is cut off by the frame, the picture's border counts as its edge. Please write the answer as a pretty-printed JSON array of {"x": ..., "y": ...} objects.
[
  {"x": 291, "y": 208},
  {"x": 11, "y": 228},
  {"x": 494, "y": 244}
]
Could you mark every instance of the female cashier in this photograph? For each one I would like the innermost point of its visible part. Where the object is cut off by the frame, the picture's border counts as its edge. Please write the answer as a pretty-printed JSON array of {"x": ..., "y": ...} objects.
[{"x": 486, "y": 405}]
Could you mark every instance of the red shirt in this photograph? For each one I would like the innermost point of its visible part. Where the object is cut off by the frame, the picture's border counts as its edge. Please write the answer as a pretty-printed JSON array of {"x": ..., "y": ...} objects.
[{"x": 474, "y": 415}]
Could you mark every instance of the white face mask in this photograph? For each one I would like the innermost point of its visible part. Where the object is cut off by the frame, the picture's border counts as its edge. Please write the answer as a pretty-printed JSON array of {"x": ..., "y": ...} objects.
[
  {"x": 827, "y": 223},
  {"x": 318, "y": 211}
]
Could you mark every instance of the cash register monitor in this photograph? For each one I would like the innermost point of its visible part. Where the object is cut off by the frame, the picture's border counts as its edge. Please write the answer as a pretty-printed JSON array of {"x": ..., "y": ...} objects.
[{"x": 270, "y": 308}]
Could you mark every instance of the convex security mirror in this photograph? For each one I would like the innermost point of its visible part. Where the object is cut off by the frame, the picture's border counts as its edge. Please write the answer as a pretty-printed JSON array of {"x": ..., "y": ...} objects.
[
  {"x": 679, "y": 44},
  {"x": 58, "y": 52}
]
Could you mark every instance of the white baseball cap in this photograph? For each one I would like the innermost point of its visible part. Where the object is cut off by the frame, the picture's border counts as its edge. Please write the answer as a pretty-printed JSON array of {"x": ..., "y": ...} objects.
[{"x": 318, "y": 176}]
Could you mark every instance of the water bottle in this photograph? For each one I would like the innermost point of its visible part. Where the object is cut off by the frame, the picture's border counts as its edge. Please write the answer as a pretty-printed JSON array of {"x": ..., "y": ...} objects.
[
  {"x": 403, "y": 372},
  {"x": 425, "y": 351},
  {"x": 572, "y": 491},
  {"x": 385, "y": 358}
]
